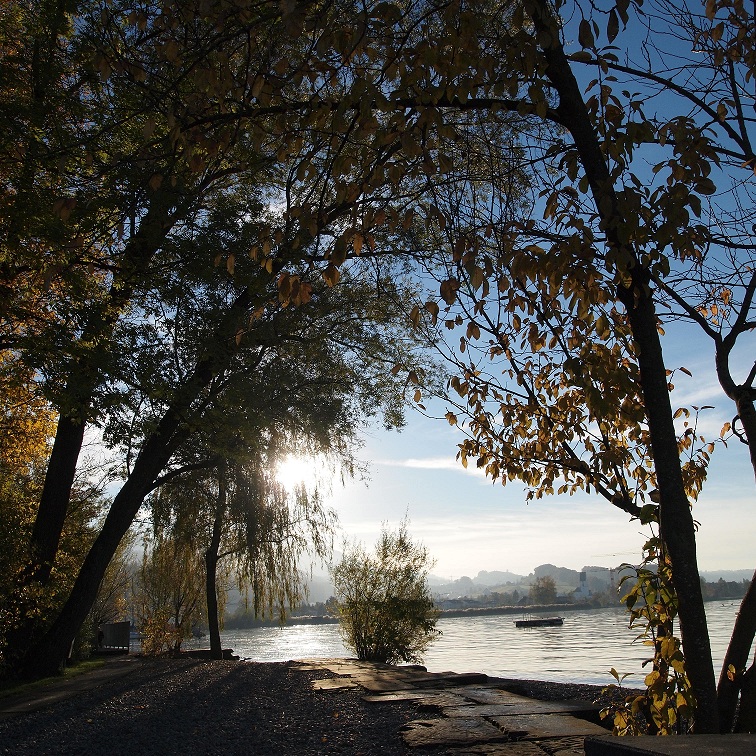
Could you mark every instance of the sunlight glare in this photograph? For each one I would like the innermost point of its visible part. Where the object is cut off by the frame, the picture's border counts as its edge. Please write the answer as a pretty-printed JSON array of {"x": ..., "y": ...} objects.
[{"x": 293, "y": 471}]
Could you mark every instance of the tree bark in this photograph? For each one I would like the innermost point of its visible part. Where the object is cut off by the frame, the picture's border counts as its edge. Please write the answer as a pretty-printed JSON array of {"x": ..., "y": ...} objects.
[
  {"x": 676, "y": 520},
  {"x": 747, "y": 715},
  {"x": 737, "y": 656},
  {"x": 745, "y": 623},
  {"x": 211, "y": 565},
  {"x": 56, "y": 495},
  {"x": 49, "y": 655}
]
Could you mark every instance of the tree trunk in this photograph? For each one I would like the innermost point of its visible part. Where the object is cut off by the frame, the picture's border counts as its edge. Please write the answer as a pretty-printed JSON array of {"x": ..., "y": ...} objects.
[
  {"x": 56, "y": 494},
  {"x": 747, "y": 415},
  {"x": 745, "y": 623},
  {"x": 747, "y": 715},
  {"x": 49, "y": 655},
  {"x": 211, "y": 565},
  {"x": 737, "y": 655},
  {"x": 676, "y": 520}
]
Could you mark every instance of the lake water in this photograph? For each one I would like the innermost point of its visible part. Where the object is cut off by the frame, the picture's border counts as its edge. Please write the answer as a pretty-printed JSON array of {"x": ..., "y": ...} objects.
[{"x": 582, "y": 650}]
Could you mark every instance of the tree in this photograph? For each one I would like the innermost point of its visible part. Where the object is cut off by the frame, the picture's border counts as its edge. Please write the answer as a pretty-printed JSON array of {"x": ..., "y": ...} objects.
[
  {"x": 169, "y": 594},
  {"x": 385, "y": 607},
  {"x": 543, "y": 590},
  {"x": 26, "y": 421},
  {"x": 610, "y": 233},
  {"x": 245, "y": 524},
  {"x": 149, "y": 160}
]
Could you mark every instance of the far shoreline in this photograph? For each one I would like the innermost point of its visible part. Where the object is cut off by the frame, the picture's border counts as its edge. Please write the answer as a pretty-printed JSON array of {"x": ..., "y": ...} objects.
[{"x": 477, "y": 611}]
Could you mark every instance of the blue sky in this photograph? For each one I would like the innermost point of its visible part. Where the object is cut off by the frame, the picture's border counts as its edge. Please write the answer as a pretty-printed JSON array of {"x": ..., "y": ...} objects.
[{"x": 470, "y": 524}]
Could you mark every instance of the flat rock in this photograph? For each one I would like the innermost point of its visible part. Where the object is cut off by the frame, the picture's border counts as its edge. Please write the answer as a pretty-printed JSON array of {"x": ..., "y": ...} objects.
[
  {"x": 528, "y": 706},
  {"x": 535, "y": 726},
  {"x": 427, "y": 699},
  {"x": 334, "y": 683},
  {"x": 564, "y": 746},
  {"x": 377, "y": 683},
  {"x": 679, "y": 745},
  {"x": 435, "y": 733},
  {"x": 523, "y": 748},
  {"x": 452, "y": 678},
  {"x": 484, "y": 694},
  {"x": 441, "y": 701},
  {"x": 394, "y": 696}
]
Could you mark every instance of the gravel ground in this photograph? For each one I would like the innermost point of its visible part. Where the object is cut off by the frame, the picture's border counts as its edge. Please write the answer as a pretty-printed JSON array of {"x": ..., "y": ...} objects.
[
  {"x": 190, "y": 706},
  {"x": 552, "y": 691}
]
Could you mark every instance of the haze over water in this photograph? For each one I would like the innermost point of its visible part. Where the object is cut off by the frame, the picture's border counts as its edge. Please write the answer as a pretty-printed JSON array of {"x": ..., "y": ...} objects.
[{"x": 583, "y": 650}]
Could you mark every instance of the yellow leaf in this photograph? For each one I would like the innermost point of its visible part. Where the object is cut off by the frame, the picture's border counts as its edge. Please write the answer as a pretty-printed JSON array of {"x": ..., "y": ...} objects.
[
  {"x": 331, "y": 275},
  {"x": 433, "y": 309},
  {"x": 449, "y": 290},
  {"x": 230, "y": 264}
]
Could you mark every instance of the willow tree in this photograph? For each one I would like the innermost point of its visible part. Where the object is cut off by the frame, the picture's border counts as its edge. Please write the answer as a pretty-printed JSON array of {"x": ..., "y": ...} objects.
[
  {"x": 248, "y": 529},
  {"x": 321, "y": 377}
]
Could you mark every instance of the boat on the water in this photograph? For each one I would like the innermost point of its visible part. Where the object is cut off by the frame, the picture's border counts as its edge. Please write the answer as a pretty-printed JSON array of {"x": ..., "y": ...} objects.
[{"x": 539, "y": 622}]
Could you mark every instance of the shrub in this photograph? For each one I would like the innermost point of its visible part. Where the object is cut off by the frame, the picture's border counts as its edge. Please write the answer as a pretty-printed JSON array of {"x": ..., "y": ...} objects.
[{"x": 385, "y": 607}]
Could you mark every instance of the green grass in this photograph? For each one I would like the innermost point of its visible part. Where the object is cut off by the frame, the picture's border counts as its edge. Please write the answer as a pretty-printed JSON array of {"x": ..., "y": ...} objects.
[{"x": 14, "y": 688}]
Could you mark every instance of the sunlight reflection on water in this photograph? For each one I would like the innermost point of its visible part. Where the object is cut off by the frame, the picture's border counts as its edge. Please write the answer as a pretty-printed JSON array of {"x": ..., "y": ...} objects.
[{"x": 583, "y": 650}]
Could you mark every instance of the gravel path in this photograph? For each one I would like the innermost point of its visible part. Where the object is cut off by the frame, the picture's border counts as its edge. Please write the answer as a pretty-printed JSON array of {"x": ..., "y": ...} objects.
[
  {"x": 187, "y": 706},
  {"x": 190, "y": 706}
]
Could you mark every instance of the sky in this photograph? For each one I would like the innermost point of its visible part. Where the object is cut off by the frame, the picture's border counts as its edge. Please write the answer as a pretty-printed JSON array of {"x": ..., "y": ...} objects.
[{"x": 469, "y": 524}]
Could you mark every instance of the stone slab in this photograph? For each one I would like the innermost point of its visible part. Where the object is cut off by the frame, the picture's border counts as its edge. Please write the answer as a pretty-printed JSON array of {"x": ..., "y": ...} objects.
[
  {"x": 522, "y": 748},
  {"x": 334, "y": 683},
  {"x": 522, "y": 707},
  {"x": 442, "y": 701},
  {"x": 679, "y": 745},
  {"x": 484, "y": 694},
  {"x": 399, "y": 695},
  {"x": 535, "y": 726},
  {"x": 452, "y": 678},
  {"x": 552, "y": 747},
  {"x": 563, "y": 746},
  {"x": 377, "y": 683},
  {"x": 428, "y": 699},
  {"x": 436, "y": 733}
]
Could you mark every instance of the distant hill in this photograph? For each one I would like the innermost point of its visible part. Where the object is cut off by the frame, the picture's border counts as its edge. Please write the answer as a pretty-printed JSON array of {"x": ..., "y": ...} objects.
[
  {"x": 497, "y": 578},
  {"x": 712, "y": 576},
  {"x": 598, "y": 579},
  {"x": 561, "y": 575}
]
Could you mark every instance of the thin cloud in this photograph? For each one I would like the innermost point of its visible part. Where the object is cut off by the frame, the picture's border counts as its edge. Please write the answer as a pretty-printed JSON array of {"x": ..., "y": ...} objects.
[{"x": 432, "y": 463}]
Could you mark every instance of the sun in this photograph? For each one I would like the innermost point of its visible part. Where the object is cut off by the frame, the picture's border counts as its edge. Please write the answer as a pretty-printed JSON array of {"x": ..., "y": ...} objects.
[{"x": 293, "y": 471}]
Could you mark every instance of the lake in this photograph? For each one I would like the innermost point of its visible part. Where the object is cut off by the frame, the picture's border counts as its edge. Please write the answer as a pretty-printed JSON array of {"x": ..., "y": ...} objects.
[{"x": 582, "y": 650}]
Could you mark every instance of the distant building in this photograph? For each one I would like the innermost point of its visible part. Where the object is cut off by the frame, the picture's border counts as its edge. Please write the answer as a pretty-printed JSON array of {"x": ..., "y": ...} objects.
[{"x": 582, "y": 591}]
